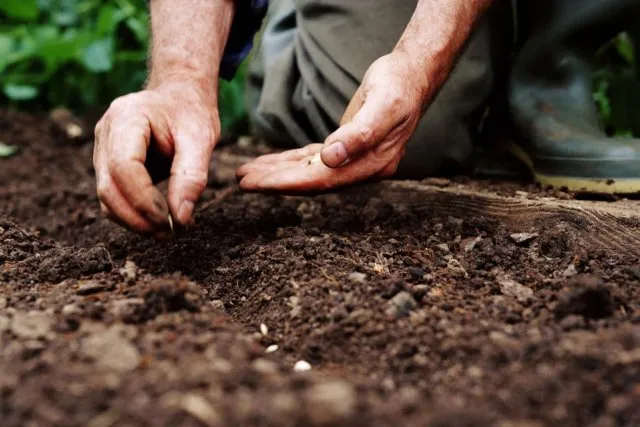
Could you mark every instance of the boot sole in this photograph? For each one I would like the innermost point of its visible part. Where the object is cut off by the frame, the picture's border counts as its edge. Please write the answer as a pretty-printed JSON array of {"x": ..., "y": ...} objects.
[{"x": 603, "y": 185}]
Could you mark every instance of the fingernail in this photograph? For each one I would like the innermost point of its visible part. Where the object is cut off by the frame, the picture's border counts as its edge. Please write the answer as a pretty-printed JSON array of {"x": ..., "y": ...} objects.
[
  {"x": 335, "y": 154},
  {"x": 185, "y": 211}
]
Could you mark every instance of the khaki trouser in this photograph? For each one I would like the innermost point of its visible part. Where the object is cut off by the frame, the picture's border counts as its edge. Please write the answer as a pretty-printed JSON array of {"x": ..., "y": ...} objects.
[{"x": 313, "y": 55}]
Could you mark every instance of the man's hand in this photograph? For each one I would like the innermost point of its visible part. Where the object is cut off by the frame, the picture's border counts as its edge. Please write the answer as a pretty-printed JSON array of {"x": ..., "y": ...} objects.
[
  {"x": 177, "y": 117},
  {"x": 182, "y": 121},
  {"x": 370, "y": 142},
  {"x": 384, "y": 111}
]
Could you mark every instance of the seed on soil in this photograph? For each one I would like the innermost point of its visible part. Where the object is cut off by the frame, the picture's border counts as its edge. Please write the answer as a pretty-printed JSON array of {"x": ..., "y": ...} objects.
[
  {"x": 271, "y": 349},
  {"x": 264, "y": 330},
  {"x": 170, "y": 222},
  {"x": 302, "y": 366}
]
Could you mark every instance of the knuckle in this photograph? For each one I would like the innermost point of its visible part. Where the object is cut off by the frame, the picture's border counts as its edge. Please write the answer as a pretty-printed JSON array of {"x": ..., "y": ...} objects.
[{"x": 365, "y": 134}]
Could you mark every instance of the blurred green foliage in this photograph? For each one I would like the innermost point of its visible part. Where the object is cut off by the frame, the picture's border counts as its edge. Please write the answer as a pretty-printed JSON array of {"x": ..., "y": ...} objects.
[
  {"x": 617, "y": 86},
  {"x": 82, "y": 54}
]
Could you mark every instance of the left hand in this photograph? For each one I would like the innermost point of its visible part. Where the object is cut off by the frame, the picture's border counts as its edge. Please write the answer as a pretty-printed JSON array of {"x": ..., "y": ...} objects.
[{"x": 369, "y": 143}]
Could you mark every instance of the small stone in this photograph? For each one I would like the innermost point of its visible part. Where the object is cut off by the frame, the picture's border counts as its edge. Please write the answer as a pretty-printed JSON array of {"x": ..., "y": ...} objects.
[
  {"x": 514, "y": 289},
  {"x": 356, "y": 277},
  {"x": 419, "y": 291},
  {"x": 129, "y": 272},
  {"x": 217, "y": 304},
  {"x": 33, "y": 325},
  {"x": 89, "y": 287},
  {"x": 264, "y": 330},
  {"x": 330, "y": 403},
  {"x": 271, "y": 349},
  {"x": 455, "y": 267},
  {"x": 416, "y": 272},
  {"x": 301, "y": 366},
  {"x": 111, "y": 350},
  {"x": 70, "y": 309},
  {"x": 469, "y": 244},
  {"x": 523, "y": 237},
  {"x": 401, "y": 304}
]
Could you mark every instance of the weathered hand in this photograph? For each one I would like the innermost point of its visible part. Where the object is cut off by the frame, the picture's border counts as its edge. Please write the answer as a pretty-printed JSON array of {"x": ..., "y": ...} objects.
[
  {"x": 182, "y": 122},
  {"x": 370, "y": 142}
]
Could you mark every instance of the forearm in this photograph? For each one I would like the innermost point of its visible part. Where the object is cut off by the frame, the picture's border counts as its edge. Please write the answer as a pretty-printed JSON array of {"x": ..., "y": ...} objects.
[
  {"x": 189, "y": 37},
  {"x": 434, "y": 37}
]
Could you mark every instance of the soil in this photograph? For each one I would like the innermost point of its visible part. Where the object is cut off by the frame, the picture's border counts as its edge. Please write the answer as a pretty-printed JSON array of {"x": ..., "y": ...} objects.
[{"x": 405, "y": 318}]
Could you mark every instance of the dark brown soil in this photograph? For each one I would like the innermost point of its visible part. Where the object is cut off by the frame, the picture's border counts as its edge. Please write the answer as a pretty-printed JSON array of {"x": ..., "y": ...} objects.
[{"x": 405, "y": 318}]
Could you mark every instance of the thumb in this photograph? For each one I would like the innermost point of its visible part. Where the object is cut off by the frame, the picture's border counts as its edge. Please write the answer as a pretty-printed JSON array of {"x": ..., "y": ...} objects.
[
  {"x": 189, "y": 172},
  {"x": 368, "y": 126}
]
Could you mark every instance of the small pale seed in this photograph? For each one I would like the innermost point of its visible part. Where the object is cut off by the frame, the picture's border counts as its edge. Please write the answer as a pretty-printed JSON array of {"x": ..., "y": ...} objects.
[
  {"x": 264, "y": 330},
  {"x": 271, "y": 349},
  {"x": 301, "y": 366},
  {"x": 170, "y": 222}
]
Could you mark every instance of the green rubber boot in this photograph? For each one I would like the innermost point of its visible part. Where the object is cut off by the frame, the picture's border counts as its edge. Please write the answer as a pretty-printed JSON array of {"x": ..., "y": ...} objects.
[{"x": 558, "y": 134}]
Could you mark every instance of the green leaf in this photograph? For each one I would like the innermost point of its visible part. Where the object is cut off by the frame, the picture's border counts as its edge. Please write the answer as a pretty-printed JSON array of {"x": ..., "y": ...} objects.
[
  {"x": 26, "y": 10},
  {"x": 624, "y": 46},
  {"x": 108, "y": 19},
  {"x": 7, "y": 150},
  {"x": 17, "y": 92},
  {"x": 98, "y": 56}
]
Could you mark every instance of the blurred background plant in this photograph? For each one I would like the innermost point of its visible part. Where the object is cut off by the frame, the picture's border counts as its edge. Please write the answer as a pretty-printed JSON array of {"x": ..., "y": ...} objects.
[{"x": 82, "y": 53}]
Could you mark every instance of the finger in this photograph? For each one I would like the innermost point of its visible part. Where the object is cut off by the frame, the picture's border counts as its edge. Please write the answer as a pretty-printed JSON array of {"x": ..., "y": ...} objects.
[
  {"x": 252, "y": 168},
  {"x": 116, "y": 208},
  {"x": 126, "y": 168},
  {"x": 377, "y": 116},
  {"x": 193, "y": 146},
  {"x": 301, "y": 177}
]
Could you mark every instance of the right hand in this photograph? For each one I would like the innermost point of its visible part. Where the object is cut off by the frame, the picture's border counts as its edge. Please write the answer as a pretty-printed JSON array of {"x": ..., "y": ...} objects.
[{"x": 182, "y": 120}]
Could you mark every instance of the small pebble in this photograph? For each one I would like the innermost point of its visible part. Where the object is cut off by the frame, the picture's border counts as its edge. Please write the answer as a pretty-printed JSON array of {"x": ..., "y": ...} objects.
[
  {"x": 271, "y": 349},
  {"x": 301, "y": 366},
  {"x": 523, "y": 237},
  {"x": 89, "y": 287},
  {"x": 416, "y": 272},
  {"x": 356, "y": 277}
]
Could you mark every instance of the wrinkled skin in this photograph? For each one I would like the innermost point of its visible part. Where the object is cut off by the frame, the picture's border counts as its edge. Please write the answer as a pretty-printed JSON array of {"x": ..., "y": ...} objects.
[
  {"x": 185, "y": 126},
  {"x": 369, "y": 143}
]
